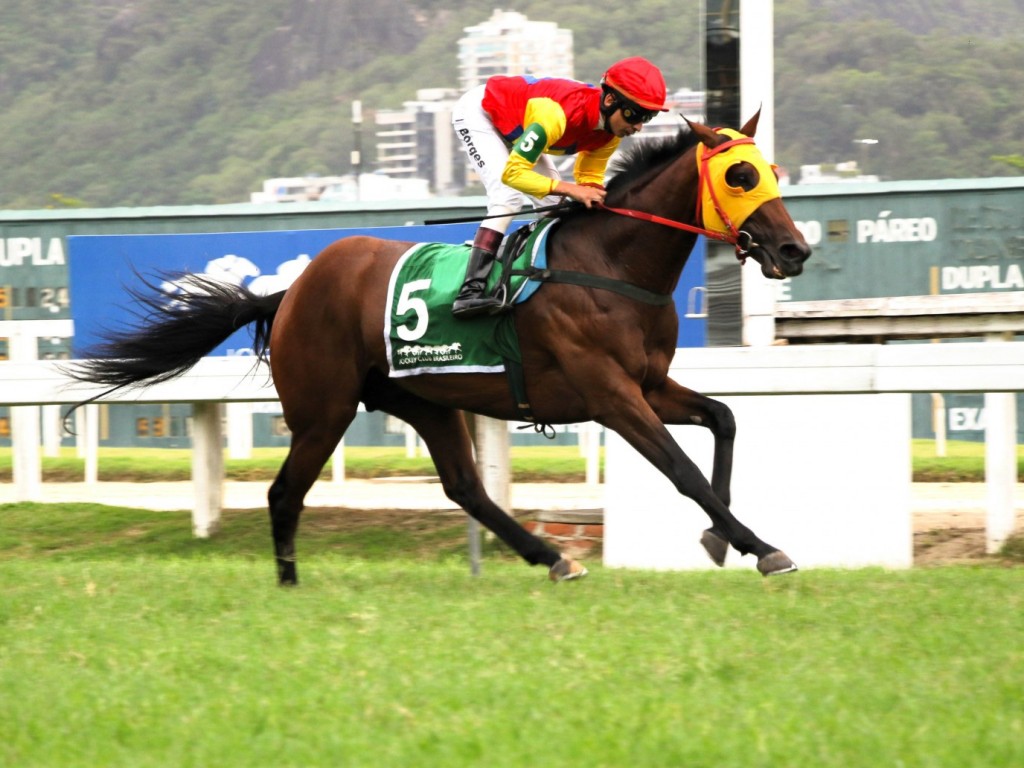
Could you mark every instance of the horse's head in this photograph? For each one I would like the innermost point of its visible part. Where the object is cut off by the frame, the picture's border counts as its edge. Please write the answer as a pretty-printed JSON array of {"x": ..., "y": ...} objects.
[{"x": 740, "y": 198}]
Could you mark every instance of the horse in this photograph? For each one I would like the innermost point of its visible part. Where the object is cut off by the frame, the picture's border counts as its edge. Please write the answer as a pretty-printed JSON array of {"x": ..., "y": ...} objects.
[{"x": 589, "y": 352}]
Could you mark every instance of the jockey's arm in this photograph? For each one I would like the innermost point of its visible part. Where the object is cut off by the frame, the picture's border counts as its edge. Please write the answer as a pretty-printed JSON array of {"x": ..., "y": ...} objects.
[
  {"x": 544, "y": 124},
  {"x": 590, "y": 166}
]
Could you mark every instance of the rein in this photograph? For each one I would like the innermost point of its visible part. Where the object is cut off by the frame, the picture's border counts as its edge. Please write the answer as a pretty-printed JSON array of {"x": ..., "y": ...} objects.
[{"x": 742, "y": 241}]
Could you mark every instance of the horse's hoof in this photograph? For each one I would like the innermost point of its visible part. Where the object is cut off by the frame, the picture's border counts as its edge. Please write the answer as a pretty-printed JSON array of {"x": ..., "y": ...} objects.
[
  {"x": 287, "y": 575},
  {"x": 715, "y": 546},
  {"x": 775, "y": 563},
  {"x": 566, "y": 569}
]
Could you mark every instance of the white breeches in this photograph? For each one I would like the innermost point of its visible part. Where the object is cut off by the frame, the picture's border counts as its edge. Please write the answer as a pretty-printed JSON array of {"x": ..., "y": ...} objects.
[{"x": 488, "y": 153}]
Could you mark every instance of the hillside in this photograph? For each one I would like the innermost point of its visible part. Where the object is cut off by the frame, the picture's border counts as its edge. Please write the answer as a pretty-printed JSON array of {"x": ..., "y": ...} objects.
[{"x": 171, "y": 102}]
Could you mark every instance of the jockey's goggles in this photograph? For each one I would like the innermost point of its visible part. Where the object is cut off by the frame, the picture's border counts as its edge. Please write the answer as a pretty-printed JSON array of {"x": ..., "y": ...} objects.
[{"x": 633, "y": 114}]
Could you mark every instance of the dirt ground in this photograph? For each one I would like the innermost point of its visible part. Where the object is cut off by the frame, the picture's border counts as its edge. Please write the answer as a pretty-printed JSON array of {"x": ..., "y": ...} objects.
[
  {"x": 940, "y": 537},
  {"x": 947, "y": 537}
]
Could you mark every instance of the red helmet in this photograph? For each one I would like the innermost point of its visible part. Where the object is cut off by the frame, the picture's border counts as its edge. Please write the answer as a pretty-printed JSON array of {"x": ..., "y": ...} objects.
[{"x": 639, "y": 81}]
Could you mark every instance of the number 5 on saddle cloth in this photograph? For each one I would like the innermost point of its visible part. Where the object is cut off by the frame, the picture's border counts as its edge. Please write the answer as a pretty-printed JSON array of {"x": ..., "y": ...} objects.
[{"x": 420, "y": 333}]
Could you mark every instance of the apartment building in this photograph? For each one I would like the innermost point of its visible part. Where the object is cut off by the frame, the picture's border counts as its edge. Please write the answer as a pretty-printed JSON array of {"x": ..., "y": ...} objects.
[{"x": 509, "y": 43}]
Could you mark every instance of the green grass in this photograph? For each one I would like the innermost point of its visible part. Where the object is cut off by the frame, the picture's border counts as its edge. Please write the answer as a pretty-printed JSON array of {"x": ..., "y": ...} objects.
[
  {"x": 529, "y": 464},
  {"x": 125, "y": 642},
  {"x": 965, "y": 463}
]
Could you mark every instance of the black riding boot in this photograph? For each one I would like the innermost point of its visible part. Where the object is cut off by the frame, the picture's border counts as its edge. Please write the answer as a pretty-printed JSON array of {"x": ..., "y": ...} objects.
[{"x": 471, "y": 300}]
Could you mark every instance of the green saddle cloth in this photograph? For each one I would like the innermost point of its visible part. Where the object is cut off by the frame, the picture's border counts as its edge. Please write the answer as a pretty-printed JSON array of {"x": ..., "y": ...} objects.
[{"x": 420, "y": 332}]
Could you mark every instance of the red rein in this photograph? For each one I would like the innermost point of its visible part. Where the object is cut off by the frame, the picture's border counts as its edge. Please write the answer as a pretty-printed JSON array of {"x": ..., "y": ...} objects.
[{"x": 740, "y": 240}]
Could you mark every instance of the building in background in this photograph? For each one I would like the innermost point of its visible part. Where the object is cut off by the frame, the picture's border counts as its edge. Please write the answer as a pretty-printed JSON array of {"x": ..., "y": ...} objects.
[
  {"x": 417, "y": 141},
  {"x": 848, "y": 172},
  {"x": 341, "y": 189},
  {"x": 688, "y": 102},
  {"x": 683, "y": 102},
  {"x": 508, "y": 43},
  {"x": 293, "y": 189},
  {"x": 415, "y": 147},
  {"x": 375, "y": 187}
]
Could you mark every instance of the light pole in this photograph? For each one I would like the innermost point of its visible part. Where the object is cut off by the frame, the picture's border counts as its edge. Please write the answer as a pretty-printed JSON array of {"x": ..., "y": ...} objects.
[
  {"x": 863, "y": 161},
  {"x": 357, "y": 133}
]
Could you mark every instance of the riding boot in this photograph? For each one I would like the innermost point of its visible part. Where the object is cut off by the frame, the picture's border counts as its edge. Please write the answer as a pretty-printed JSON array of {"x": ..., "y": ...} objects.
[{"x": 471, "y": 300}]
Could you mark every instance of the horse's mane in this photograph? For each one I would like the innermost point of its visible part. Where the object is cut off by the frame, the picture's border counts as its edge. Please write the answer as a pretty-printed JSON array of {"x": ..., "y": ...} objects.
[{"x": 642, "y": 157}]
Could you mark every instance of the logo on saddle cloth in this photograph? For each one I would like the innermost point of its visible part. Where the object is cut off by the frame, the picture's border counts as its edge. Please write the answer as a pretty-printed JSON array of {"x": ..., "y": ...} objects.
[
  {"x": 420, "y": 333},
  {"x": 735, "y": 202}
]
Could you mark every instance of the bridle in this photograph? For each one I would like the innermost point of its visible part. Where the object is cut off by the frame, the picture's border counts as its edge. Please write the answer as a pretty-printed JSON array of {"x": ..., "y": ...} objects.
[{"x": 741, "y": 240}]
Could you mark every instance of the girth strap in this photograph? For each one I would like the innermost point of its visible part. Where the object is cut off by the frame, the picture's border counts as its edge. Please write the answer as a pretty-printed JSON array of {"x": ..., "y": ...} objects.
[
  {"x": 517, "y": 383},
  {"x": 596, "y": 281},
  {"x": 514, "y": 370}
]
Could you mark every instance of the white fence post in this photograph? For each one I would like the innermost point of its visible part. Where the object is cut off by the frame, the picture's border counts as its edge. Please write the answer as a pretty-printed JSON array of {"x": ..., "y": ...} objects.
[
  {"x": 1000, "y": 461},
  {"x": 239, "y": 418},
  {"x": 590, "y": 437},
  {"x": 492, "y": 459},
  {"x": 27, "y": 466},
  {"x": 207, "y": 467},
  {"x": 52, "y": 431},
  {"x": 338, "y": 462},
  {"x": 89, "y": 426}
]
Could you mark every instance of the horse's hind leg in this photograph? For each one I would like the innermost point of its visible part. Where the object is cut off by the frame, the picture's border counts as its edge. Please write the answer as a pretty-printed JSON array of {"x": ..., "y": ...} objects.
[
  {"x": 312, "y": 445},
  {"x": 444, "y": 431}
]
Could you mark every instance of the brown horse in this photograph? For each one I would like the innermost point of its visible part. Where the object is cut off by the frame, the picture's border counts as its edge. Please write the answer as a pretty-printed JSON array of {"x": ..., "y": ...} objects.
[{"x": 588, "y": 353}]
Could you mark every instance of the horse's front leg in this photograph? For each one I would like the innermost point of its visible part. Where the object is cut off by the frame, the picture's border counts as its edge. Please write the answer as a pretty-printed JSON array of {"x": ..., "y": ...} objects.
[
  {"x": 628, "y": 413},
  {"x": 676, "y": 404}
]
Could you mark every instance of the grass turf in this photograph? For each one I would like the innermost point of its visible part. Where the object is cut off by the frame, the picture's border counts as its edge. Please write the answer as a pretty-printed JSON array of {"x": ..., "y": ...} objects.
[
  {"x": 123, "y": 641},
  {"x": 964, "y": 462}
]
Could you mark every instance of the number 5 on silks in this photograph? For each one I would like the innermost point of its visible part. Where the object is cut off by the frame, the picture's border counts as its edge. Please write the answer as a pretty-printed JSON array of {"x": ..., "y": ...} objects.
[
  {"x": 531, "y": 144},
  {"x": 408, "y": 303}
]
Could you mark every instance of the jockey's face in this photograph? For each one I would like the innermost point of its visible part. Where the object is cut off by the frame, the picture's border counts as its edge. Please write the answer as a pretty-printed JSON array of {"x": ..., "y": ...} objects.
[{"x": 616, "y": 124}]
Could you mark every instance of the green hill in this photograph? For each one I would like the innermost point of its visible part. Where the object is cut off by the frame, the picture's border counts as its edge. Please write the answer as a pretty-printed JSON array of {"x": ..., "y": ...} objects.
[{"x": 172, "y": 102}]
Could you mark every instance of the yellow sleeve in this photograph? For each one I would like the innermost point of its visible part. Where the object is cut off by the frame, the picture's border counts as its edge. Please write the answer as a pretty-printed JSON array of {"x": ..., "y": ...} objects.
[
  {"x": 590, "y": 166},
  {"x": 543, "y": 125}
]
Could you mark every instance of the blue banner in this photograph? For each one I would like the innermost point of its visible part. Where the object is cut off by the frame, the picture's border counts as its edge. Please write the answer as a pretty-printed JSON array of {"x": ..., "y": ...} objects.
[{"x": 102, "y": 267}]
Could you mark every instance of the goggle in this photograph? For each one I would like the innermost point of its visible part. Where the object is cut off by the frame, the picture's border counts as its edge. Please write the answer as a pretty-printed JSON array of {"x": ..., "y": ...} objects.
[{"x": 633, "y": 114}]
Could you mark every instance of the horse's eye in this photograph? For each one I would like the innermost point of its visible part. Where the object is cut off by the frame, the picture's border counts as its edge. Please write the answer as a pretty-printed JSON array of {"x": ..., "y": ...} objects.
[{"x": 742, "y": 176}]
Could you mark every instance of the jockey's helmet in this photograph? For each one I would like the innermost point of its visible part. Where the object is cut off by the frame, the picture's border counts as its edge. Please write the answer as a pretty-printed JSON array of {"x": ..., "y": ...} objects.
[{"x": 638, "y": 81}]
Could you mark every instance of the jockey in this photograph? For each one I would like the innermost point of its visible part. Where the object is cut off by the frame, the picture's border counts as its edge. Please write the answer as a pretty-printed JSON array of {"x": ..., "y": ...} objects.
[{"x": 511, "y": 125}]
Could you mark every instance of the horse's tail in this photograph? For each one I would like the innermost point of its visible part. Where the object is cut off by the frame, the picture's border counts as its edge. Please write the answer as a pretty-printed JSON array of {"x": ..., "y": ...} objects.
[{"x": 178, "y": 323}]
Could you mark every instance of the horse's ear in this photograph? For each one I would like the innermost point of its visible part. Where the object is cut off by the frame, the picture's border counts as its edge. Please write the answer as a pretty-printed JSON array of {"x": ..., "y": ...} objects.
[
  {"x": 751, "y": 127},
  {"x": 705, "y": 134}
]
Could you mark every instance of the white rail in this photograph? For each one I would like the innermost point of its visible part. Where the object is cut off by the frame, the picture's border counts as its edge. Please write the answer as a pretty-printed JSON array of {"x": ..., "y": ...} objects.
[
  {"x": 996, "y": 369},
  {"x": 820, "y": 368}
]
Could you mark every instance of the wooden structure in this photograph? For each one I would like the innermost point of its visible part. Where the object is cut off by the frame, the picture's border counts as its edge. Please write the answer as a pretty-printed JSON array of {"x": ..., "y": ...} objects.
[{"x": 876, "y": 321}]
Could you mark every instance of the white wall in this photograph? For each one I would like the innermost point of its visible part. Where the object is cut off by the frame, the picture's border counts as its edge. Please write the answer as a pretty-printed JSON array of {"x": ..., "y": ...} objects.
[{"x": 826, "y": 478}]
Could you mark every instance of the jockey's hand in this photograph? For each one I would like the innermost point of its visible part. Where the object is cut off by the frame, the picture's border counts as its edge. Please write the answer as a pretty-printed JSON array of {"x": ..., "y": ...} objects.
[{"x": 581, "y": 193}]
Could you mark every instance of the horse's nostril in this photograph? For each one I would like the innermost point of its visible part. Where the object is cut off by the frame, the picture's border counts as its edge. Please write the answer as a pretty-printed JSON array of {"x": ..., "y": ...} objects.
[{"x": 797, "y": 252}]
